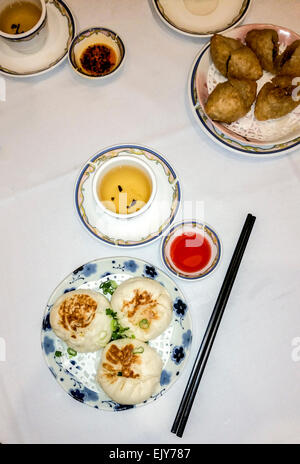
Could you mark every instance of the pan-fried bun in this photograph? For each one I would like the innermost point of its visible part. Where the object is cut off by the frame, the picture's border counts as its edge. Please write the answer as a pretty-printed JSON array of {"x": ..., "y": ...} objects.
[
  {"x": 79, "y": 319},
  {"x": 144, "y": 306},
  {"x": 129, "y": 371}
]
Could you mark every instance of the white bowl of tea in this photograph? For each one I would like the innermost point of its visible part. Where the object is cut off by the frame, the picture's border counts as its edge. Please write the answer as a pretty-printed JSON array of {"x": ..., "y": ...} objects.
[
  {"x": 22, "y": 23},
  {"x": 124, "y": 186},
  {"x": 96, "y": 53}
]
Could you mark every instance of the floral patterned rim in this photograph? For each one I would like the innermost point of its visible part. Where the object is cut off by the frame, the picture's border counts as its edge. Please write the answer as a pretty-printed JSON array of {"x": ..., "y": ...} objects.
[
  {"x": 243, "y": 11},
  {"x": 173, "y": 345},
  {"x": 214, "y": 238},
  {"x": 233, "y": 145},
  {"x": 111, "y": 152},
  {"x": 87, "y": 33},
  {"x": 64, "y": 11}
]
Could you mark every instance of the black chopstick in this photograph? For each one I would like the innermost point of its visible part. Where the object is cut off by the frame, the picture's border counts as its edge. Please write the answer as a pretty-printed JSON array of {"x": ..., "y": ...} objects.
[{"x": 211, "y": 331}]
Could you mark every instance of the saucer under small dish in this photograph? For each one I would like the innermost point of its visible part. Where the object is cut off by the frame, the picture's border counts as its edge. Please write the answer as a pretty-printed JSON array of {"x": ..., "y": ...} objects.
[
  {"x": 60, "y": 30},
  {"x": 138, "y": 230},
  {"x": 191, "y": 250},
  {"x": 96, "y": 53},
  {"x": 201, "y": 18}
]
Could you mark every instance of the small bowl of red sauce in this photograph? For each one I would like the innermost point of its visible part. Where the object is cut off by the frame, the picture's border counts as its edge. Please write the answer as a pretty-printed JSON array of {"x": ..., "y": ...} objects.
[
  {"x": 96, "y": 53},
  {"x": 191, "y": 250}
]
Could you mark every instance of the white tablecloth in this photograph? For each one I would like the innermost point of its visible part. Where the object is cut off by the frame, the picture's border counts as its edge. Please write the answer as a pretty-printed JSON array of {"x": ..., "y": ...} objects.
[{"x": 50, "y": 125}]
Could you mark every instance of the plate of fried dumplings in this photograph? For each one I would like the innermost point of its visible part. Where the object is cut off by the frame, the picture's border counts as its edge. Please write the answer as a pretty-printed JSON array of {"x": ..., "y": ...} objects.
[
  {"x": 244, "y": 89},
  {"x": 116, "y": 333}
]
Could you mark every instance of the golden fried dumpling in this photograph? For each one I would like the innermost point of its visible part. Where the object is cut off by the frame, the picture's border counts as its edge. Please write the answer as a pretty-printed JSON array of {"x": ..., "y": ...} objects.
[
  {"x": 264, "y": 43},
  {"x": 275, "y": 99},
  {"x": 231, "y": 100},
  {"x": 221, "y": 48},
  {"x": 244, "y": 64},
  {"x": 247, "y": 90},
  {"x": 288, "y": 63},
  {"x": 129, "y": 371}
]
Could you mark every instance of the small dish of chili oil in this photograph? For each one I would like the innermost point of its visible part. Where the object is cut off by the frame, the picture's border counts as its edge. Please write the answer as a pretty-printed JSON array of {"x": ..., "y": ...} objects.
[
  {"x": 191, "y": 250},
  {"x": 96, "y": 53}
]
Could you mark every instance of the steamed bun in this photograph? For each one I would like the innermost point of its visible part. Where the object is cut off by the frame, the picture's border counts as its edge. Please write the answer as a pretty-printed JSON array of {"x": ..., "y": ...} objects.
[
  {"x": 129, "y": 371},
  {"x": 79, "y": 319},
  {"x": 144, "y": 306}
]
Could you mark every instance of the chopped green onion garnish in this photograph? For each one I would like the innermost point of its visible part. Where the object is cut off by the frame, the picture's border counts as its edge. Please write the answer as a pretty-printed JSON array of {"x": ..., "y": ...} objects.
[
  {"x": 132, "y": 336},
  {"x": 114, "y": 324},
  {"x": 108, "y": 287},
  {"x": 110, "y": 312},
  {"x": 71, "y": 352},
  {"x": 58, "y": 354},
  {"x": 144, "y": 324},
  {"x": 138, "y": 350},
  {"x": 117, "y": 330},
  {"x": 121, "y": 329},
  {"x": 119, "y": 374}
]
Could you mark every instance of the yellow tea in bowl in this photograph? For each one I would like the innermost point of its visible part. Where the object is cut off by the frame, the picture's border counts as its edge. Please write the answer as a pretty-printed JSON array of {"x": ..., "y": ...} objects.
[
  {"x": 19, "y": 17},
  {"x": 125, "y": 189}
]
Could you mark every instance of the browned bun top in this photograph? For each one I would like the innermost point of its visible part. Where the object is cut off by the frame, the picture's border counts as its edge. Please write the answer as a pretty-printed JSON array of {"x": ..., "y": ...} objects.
[
  {"x": 120, "y": 361},
  {"x": 77, "y": 312}
]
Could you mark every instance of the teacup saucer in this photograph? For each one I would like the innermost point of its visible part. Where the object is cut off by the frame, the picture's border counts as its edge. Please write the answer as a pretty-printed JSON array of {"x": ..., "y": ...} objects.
[
  {"x": 135, "y": 231},
  {"x": 60, "y": 33}
]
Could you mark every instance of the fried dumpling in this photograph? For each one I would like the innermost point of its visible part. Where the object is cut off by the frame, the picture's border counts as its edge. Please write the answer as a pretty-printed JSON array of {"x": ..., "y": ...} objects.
[
  {"x": 129, "y": 371},
  {"x": 233, "y": 59},
  {"x": 79, "y": 319},
  {"x": 231, "y": 100},
  {"x": 244, "y": 64},
  {"x": 275, "y": 99},
  {"x": 221, "y": 49},
  {"x": 144, "y": 306},
  {"x": 264, "y": 43},
  {"x": 288, "y": 63},
  {"x": 247, "y": 90}
]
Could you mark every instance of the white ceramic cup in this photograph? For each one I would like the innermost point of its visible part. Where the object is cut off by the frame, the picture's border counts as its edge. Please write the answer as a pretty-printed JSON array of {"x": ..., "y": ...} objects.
[
  {"x": 31, "y": 40},
  {"x": 123, "y": 160}
]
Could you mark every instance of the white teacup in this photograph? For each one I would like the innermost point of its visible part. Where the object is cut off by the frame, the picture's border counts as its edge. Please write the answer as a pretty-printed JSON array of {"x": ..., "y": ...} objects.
[
  {"x": 31, "y": 40},
  {"x": 123, "y": 160}
]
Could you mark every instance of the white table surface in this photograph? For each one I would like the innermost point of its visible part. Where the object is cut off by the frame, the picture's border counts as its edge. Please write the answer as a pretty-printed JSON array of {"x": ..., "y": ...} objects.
[{"x": 49, "y": 126}]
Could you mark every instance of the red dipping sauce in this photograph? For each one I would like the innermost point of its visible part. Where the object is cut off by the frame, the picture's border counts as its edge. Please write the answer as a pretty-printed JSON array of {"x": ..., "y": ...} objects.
[{"x": 190, "y": 252}]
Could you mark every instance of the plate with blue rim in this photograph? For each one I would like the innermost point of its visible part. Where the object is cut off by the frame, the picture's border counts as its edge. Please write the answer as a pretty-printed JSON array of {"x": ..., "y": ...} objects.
[
  {"x": 136, "y": 231},
  {"x": 197, "y": 93},
  {"x": 77, "y": 374},
  {"x": 188, "y": 18}
]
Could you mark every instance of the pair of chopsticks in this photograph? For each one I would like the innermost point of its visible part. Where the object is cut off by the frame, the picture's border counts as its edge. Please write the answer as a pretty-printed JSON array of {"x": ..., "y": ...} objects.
[{"x": 211, "y": 331}]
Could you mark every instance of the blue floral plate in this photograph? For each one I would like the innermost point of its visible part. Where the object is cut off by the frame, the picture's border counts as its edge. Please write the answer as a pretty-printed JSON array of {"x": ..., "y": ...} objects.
[{"x": 77, "y": 375}]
